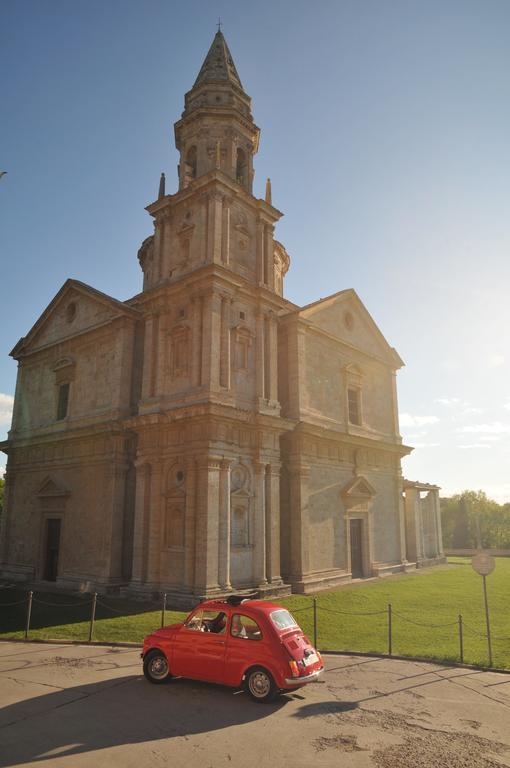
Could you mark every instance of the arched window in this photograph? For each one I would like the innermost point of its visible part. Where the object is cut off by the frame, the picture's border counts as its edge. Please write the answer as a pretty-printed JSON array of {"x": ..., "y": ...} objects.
[{"x": 241, "y": 168}]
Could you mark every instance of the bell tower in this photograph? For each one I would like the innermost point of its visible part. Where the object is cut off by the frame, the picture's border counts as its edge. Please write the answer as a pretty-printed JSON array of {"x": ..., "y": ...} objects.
[
  {"x": 208, "y": 425},
  {"x": 216, "y": 130},
  {"x": 214, "y": 218}
]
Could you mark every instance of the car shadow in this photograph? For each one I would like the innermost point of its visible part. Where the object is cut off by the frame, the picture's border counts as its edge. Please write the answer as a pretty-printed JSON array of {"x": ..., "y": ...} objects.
[
  {"x": 324, "y": 708},
  {"x": 119, "y": 711}
]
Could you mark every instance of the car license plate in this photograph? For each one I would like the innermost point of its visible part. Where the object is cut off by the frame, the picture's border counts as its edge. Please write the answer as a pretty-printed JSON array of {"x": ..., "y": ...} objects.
[{"x": 311, "y": 659}]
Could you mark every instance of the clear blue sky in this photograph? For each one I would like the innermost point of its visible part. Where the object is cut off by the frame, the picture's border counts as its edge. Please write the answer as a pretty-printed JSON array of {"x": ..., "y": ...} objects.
[{"x": 385, "y": 131}]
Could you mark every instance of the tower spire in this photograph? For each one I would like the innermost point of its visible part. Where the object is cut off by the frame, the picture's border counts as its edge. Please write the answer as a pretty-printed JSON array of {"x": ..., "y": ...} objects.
[{"x": 218, "y": 64}]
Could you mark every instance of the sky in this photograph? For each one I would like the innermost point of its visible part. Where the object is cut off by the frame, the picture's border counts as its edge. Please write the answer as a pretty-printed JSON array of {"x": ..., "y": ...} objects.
[{"x": 385, "y": 130}]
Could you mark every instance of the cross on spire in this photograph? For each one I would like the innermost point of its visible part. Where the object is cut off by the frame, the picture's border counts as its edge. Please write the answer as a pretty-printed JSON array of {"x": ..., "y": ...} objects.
[{"x": 219, "y": 24}]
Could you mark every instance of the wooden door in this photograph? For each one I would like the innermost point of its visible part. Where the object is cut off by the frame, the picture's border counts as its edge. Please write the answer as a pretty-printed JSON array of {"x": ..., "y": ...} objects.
[
  {"x": 52, "y": 549},
  {"x": 356, "y": 530}
]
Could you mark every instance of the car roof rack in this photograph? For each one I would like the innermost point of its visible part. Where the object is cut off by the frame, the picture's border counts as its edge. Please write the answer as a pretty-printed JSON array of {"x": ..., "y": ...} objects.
[{"x": 238, "y": 599}]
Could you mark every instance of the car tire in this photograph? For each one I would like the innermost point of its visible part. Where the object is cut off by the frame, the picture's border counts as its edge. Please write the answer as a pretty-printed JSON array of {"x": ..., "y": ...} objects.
[
  {"x": 155, "y": 667},
  {"x": 259, "y": 684}
]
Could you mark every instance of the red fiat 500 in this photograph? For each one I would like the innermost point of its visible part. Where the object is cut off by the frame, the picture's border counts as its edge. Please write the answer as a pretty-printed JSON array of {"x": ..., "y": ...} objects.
[{"x": 235, "y": 642}]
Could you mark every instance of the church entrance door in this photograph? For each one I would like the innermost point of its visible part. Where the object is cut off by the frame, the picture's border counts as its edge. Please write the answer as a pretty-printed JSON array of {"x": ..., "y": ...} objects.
[
  {"x": 52, "y": 549},
  {"x": 356, "y": 529}
]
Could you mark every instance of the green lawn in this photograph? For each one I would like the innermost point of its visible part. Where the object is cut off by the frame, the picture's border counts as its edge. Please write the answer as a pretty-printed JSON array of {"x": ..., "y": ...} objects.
[{"x": 351, "y": 618}]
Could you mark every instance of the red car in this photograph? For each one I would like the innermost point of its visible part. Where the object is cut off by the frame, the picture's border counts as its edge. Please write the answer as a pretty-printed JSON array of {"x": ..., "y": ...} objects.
[{"x": 236, "y": 642}]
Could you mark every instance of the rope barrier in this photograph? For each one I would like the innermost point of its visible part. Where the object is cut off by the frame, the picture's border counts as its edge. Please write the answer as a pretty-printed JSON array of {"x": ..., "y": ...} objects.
[
  {"x": 117, "y": 610},
  {"x": 18, "y": 602},
  {"x": 351, "y": 613},
  {"x": 61, "y": 605},
  {"x": 484, "y": 634},
  {"x": 420, "y": 624}
]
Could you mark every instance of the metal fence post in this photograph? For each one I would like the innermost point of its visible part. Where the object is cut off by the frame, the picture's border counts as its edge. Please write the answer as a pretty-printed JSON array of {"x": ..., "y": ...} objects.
[
  {"x": 315, "y": 622},
  {"x": 29, "y": 613},
  {"x": 92, "y": 616},
  {"x": 487, "y": 620},
  {"x": 461, "y": 640},
  {"x": 390, "y": 643},
  {"x": 163, "y": 609}
]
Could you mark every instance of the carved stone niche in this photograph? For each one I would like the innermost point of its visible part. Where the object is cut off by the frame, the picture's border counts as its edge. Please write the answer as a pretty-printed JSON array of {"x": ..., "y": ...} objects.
[
  {"x": 240, "y": 503},
  {"x": 175, "y": 508},
  {"x": 179, "y": 351},
  {"x": 243, "y": 341}
]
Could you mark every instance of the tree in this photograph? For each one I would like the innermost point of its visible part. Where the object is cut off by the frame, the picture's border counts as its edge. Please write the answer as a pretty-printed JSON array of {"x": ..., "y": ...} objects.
[{"x": 470, "y": 519}]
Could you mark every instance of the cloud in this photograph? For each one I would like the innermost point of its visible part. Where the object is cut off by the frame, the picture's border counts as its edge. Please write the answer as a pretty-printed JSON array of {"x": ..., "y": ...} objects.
[
  {"x": 470, "y": 409},
  {"x": 491, "y": 438},
  {"x": 496, "y": 360},
  {"x": 475, "y": 445},
  {"x": 6, "y": 405},
  {"x": 448, "y": 400},
  {"x": 496, "y": 428},
  {"x": 406, "y": 420},
  {"x": 426, "y": 445},
  {"x": 507, "y": 406}
]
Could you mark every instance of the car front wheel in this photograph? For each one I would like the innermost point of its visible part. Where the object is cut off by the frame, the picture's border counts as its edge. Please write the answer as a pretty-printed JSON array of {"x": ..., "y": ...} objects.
[
  {"x": 155, "y": 667},
  {"x": 260, "y": 684}
]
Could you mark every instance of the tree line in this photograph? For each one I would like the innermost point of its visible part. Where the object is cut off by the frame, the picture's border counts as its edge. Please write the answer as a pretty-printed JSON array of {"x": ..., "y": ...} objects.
[{"x": 470, "y": 519}]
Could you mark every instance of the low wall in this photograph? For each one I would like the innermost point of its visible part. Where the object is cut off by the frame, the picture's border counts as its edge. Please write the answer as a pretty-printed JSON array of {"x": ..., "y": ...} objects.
[{"x": 469, "y": 552}]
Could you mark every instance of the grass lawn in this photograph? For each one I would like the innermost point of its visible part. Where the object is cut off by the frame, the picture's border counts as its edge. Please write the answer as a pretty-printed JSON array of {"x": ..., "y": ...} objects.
[{"x": 425, "y": 609}]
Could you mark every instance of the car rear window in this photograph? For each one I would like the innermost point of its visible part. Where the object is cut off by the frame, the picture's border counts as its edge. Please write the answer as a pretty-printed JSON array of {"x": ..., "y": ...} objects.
[{"x": 282, "y": 619}]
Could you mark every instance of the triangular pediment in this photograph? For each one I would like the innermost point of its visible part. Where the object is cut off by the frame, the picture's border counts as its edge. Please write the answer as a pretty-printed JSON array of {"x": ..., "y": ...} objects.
[
  {"x": 359, "y": 488},
  {"x": 76, "y": 308},
  {"x": 344, "y": 316},
  {"x": 51, "y": 487}
]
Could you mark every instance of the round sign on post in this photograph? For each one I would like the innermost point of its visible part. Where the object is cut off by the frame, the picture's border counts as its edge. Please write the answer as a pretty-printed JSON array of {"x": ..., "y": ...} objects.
[{"x": 483, "y": 563}]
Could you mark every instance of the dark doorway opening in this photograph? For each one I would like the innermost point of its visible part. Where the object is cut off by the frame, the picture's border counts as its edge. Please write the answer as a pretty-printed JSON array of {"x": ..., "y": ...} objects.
[
  {"x": 52, "y": 549},
  {"x": 356, "y": 529}
]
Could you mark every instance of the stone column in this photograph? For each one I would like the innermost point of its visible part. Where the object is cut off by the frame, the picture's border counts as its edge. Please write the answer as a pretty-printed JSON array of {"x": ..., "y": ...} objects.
[
  {"x": 164, "y": 249},
  {"x": 260, "y": 355},
  {"x": 190, "y": 522},
  {"x": 260, "y": 252},
  {"x": 156, "y": 526},
  {"x": 224, "y": 525},
  {"x": 207, "y": 524},
  {"x": 225, "y": 240},
  {"x": 299, "y": 527},
  {"x": 5, "y": 519},
  {"x": 206, "y": 338},
  {"x": 151, "y": 356},
  {"x": 259, "y": 525},
  {"x": 115, "y": 529},
  {"x": 439, "y": 527},
  {"x": 158, "y": 256},
  {"x": 401, "y": 521},
  {"x": 197, "y": 330},
  {"x": 225, "y": 343},
  {"x": 272, "y": 502},
  {"x": 214, "y": 221},
  {"x": 272, "y": 328},
  {"x": 143, "y": 487},
  {"x": 269, "y": 257}
]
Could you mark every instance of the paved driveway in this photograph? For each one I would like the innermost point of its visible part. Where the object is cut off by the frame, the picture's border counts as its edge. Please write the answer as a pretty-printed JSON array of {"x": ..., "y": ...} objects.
[{"x": 72, "y": 706}]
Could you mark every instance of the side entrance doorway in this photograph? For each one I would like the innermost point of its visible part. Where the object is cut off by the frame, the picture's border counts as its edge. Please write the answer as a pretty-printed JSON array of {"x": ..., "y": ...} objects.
[
  {"x": 51, "y": 551},
  {"x": 356, "y": 537}
]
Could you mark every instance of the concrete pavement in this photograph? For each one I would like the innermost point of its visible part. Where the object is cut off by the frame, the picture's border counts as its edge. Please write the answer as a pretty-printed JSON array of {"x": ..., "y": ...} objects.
[{"x": 78, "y": 706}]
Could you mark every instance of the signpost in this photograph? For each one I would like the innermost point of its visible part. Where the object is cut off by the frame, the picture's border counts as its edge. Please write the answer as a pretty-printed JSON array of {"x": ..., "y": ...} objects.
[{"x": 484, "y": 564}]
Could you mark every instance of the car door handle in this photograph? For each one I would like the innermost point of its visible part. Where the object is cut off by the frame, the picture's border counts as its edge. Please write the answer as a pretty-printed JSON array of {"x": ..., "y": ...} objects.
[{"x": 219, "y": 642}]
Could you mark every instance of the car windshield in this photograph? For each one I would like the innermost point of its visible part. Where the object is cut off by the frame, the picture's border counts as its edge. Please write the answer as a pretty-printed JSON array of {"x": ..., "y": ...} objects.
[{"x": 282, "y": 619}]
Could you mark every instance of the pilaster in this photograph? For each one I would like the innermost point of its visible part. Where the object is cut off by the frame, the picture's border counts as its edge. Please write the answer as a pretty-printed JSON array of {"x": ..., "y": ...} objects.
[
  {"x": 259, "y": 525},
  {"x": 224, "y": 525}
]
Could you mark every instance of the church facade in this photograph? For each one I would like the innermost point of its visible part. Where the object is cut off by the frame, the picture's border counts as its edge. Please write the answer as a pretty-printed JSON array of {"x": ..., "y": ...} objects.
[{"x": 208, "y": 434}]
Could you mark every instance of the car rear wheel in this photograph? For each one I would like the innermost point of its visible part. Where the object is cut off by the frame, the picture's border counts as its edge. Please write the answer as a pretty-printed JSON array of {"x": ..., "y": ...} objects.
[
  {"x": 155, "y": 667},
  {"x": 260, "y": 684}
]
